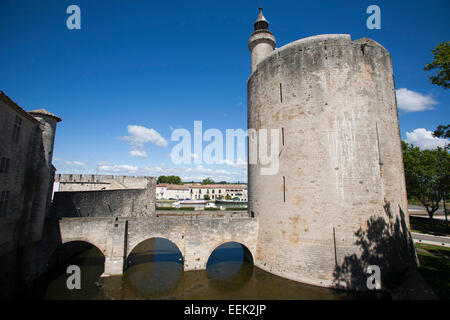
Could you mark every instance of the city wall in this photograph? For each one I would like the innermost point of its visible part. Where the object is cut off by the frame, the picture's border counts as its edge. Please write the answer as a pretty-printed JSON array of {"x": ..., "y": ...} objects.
[{"x": 107, "y": 203}]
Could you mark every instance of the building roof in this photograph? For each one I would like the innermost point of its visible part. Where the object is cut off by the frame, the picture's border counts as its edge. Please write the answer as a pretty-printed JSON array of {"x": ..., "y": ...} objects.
[
  {"x": 200, "y": 186},
  {"x": 177, "y": 187},
  {"x": 12, "y": 104},
  {"x": 261, "y": 22},
  {"x": 219, "y": 186},
  {"x": 44, "y": 113}
]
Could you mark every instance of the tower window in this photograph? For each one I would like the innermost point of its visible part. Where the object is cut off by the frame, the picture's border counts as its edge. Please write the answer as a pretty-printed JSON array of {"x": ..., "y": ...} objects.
[
  {"x": 4, "y": 165},
  {"x": 16, "y": 128},
  {"x": 284, "y": 189},
  {"x": 282, "y": 136},
  {"x": 281, "y": 93},
  {"x": 4, "y": 198}
]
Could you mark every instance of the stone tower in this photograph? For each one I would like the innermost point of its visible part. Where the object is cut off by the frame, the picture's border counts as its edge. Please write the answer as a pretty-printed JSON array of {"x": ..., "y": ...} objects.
[
  {"x": 46, "y": 171},
  {"x": 262, "y": 42},
  {"x": 338, "y": 201}
]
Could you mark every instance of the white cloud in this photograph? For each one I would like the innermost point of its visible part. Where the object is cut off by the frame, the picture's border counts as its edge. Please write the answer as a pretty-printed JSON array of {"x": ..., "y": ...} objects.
[
  {"x": 411, "y": 101},
  {"x": 239, "y": 163},
  {"x": 140, "y": 153},
  {"x": 424, "y": 139},
  {"x": 75, "y": 163},
  {"x": 117, "y": 168},
  {"x": 139, "y": 136}
]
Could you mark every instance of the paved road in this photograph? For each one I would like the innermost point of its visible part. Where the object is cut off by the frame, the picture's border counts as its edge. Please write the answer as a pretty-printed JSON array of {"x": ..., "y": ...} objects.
[
  {"x": 420, "y": 211},
  {"x": 430, "y": 239}
]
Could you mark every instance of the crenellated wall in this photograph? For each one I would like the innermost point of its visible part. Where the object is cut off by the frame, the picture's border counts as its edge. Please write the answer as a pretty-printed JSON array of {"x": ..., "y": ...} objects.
[{"x": 89, "y": 182}]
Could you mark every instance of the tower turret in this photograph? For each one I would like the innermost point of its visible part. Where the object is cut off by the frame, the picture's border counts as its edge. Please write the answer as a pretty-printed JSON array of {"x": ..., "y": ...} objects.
[
  {"x": 262, "y": 42},
  {"x": 45, "y": 171}
]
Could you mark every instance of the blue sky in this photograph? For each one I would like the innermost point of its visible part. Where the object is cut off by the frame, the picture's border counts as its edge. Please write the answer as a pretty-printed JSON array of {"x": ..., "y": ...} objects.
[{"x": 163, "y": 64}]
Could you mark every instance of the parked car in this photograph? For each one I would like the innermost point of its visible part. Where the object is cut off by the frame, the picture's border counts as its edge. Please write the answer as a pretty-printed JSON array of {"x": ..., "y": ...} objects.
[
  {"x": 210, "y": 205},
  {"x": 176, "y": 204}
]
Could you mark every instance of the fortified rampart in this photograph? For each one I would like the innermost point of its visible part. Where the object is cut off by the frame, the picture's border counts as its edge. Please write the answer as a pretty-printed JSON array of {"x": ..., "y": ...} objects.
[
  {"x": 106, "y": 203},
  {"x": 89, "y": 182}
]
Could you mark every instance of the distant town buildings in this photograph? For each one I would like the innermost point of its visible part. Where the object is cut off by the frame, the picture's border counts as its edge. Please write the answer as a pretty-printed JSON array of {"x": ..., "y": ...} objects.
[{"x": 202, "y": 192}]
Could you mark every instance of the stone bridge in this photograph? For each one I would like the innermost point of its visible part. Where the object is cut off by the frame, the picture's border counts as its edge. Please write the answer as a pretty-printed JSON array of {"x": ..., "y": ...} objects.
[{"x": 195, "y": 237}]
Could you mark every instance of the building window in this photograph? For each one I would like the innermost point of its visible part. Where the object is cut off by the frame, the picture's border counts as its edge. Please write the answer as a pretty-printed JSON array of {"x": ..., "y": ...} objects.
[
  {"x": 4, "y": 197},
  {"x": 16, "y": 129},
  {"x": 4, "y": 165}
]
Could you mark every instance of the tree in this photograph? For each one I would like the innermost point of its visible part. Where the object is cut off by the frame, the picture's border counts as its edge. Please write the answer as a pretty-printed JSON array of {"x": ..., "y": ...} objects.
[
  {"x": 442, "y": 63},
  {"x": 208, "y": 181},
  {"x": 206, "y": 197},
  {"x": 427, "y": 175},
  {"x": 169, "y": 179},
  {"x": 442, "y": 132}
]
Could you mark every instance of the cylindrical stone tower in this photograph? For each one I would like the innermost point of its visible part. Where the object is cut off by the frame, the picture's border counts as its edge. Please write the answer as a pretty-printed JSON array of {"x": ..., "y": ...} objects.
[
  {"x": 45, "y": 172},
  {"x": 338, "y": 201}
]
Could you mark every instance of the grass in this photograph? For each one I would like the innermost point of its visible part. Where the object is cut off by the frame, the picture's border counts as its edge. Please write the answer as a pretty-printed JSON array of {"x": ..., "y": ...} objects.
[
  {"x": 430, "y": 226},
  {"x": 435, "y": 268}
]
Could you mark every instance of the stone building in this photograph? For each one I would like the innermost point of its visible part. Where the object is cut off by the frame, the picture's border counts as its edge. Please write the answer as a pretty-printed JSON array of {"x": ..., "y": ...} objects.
[
  {"x": 198, "y": 191},
  {"x": 338, "y": 201},
  {"x": 26, "y": 180}
]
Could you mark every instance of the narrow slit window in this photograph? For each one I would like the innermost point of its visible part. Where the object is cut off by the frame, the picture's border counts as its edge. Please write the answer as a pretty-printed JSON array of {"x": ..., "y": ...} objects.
[
  {"x": 282, "y": 136},
  {"x": 16, "y": 128},
  {"x": 281, "y": 93},
  {"x": 284, "y": 189},
  {"x": 4, "y": 198}
]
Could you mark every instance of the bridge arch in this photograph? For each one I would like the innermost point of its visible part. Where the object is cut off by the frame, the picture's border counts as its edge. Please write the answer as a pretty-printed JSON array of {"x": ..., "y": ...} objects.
[
  {"x": 92, "y": 242},
  {"x": 133, "y": 245},
  {"x": 246, "y": 247}
]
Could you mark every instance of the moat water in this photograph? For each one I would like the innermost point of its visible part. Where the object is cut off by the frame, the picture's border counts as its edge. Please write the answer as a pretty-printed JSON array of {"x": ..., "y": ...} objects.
[{"x": 155, "y": 271}]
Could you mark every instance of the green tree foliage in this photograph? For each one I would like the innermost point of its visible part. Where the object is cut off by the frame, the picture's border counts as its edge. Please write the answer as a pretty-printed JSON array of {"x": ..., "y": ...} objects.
[
  {"x": 206, "y": 197},
  {"x": 208, "y": 181},
  {"x": 442, "y": 63},
  {"x": 427, "y": 175},
  {"x": 442, "y": 131},
  {"x": 169, "y": 179}
]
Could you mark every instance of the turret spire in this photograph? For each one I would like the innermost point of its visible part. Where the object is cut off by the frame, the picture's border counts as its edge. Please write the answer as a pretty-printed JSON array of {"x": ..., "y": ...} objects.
[
  {"x": 262, "y": 42},
  {"x": 261, "y": 22}
]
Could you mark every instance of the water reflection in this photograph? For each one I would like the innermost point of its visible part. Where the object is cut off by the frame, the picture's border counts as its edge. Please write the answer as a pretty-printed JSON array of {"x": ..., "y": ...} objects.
[
  {"x": 154, "y": 268},
  {"x": 155, "y": 271}
]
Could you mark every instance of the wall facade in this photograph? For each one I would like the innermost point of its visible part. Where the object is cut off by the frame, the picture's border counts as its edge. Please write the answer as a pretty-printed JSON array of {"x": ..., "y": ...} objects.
[
  {"x": 25, "y": 190},
  {"x": 90, "y": 182},
  {"x": 340, "y": 159},
  {"x": 106, "y": 203}
]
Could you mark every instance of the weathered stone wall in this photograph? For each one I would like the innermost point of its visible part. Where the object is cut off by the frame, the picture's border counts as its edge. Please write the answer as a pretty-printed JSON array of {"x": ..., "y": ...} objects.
[
  {"x": 195, "y": 237},
  {"x": 341, "y": 160},
  {"x": 106, "y": 203},
  {"x": 22, "y": 225},
  {"x": 89, "y": 182}
]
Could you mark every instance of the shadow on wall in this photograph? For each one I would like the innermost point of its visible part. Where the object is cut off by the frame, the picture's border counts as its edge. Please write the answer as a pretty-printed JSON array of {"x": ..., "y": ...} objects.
[{"x": 386, "y": 243}]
